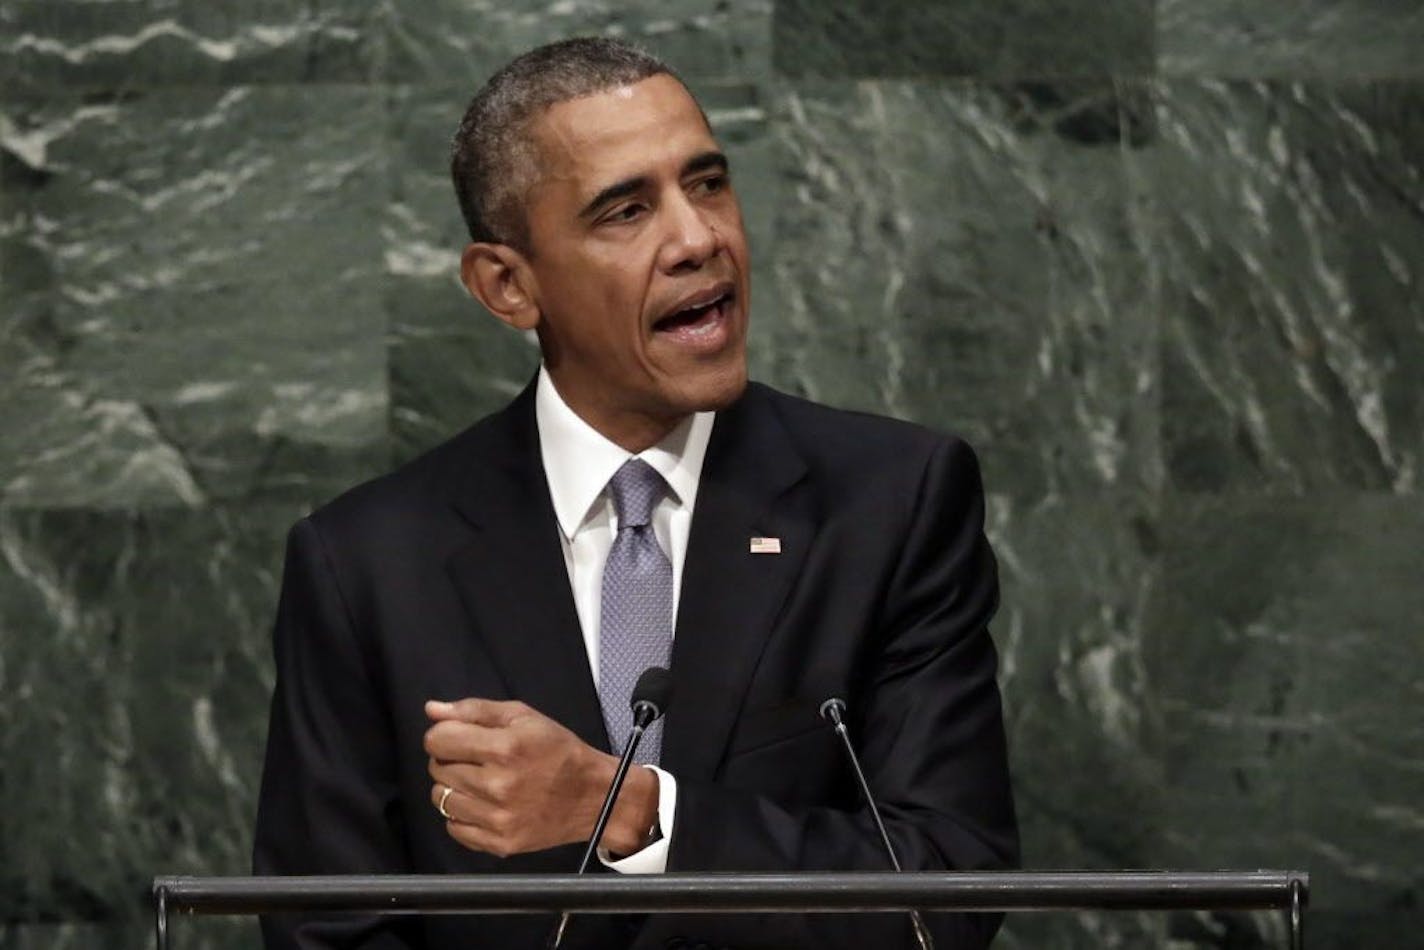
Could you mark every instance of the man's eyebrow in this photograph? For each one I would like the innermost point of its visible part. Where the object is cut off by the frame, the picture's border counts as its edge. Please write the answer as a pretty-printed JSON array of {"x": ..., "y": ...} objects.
[
  {"x": 619, "y": 189},
  {"x": 630, "y": 186},
  {"x": 705, "y": 161}
]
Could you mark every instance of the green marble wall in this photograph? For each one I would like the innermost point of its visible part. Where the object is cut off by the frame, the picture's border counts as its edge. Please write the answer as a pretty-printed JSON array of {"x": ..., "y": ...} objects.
[{"x": 1161, "y": 262}]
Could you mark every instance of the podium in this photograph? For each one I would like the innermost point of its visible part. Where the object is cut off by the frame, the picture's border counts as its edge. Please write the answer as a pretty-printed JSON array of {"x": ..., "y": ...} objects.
[{"x": 673, "y": 892}]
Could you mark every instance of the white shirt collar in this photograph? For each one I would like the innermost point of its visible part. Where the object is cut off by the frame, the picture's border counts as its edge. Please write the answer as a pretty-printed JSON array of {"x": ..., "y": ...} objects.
[{"x": 579, "y": 460}]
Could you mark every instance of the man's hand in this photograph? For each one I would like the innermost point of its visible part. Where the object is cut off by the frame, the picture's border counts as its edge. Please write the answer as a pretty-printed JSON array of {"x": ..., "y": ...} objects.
[{"x": 522, "y": 782}]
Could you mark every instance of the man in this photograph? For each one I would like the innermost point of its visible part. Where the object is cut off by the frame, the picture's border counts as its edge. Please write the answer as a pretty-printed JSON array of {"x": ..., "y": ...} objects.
[{"x": 457, "y": 640}]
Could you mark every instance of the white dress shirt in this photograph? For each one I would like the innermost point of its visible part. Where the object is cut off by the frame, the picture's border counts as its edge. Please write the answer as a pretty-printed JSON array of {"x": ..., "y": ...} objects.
[{"x": 578, "y": 462}]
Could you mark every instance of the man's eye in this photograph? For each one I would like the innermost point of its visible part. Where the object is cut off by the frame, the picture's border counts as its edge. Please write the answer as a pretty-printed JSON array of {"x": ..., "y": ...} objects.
[
  {"x": 711, "y": 185},
  {"x": 628, "y": 212}
]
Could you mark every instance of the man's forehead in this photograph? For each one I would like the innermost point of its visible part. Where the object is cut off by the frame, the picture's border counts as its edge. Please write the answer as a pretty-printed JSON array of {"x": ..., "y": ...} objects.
[{"x": 631, "y": 119}]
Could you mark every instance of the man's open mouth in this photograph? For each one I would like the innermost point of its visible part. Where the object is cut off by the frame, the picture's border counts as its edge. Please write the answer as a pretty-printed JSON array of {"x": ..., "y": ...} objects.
[{"x": 702, "y": 316}]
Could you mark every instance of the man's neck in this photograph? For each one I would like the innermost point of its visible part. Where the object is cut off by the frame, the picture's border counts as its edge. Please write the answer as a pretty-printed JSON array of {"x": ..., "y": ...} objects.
[
  {"x": 579, "y": 460},
  {"x": 631, "y": 431}
]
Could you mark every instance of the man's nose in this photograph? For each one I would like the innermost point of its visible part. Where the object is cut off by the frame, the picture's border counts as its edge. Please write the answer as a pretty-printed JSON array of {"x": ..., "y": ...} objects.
[{"x": 691, "y": 236}]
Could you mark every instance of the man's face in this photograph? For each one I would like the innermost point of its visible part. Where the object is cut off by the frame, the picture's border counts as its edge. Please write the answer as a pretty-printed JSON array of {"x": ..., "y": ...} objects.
[{"x": 638, "y": 260}]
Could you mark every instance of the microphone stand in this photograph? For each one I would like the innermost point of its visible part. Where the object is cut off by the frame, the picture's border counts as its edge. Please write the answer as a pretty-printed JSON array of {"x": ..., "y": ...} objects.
[
  {"x": 644, "y": 713},
  {"x": 643, "y": 716},
  {"x": 833, "y": 710}
]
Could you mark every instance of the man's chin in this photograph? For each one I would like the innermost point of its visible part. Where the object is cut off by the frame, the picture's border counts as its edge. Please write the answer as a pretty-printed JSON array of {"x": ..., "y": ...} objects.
[{"x": 718, "y": 391}]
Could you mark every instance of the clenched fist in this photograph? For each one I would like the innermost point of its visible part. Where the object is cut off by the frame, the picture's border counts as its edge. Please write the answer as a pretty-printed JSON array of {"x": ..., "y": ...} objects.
[{"x": 519, "y": 781}]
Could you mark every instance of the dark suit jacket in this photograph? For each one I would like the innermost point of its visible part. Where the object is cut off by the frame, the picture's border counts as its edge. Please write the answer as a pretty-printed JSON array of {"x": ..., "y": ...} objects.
[{"x": 445, "y": 579}]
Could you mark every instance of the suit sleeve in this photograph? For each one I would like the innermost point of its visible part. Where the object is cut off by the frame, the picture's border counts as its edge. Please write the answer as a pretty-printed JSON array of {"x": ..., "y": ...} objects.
[
  {"x": 328, "y": 801},
  {"x": 927, "y": 723}
]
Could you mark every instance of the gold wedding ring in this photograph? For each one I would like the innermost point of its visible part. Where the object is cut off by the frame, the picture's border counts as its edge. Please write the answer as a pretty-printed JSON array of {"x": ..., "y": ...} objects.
[{"x": 441, "y": 807}]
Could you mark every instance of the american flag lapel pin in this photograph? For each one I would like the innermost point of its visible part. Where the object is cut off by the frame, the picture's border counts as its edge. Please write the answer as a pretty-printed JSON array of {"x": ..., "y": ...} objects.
[{"x": 766, "y": 546}]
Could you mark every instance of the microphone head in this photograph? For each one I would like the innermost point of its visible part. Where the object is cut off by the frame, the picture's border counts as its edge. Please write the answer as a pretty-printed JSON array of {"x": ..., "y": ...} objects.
[
  {"x": 833, "y": 709},
  {"x": 652, "y": 691}
]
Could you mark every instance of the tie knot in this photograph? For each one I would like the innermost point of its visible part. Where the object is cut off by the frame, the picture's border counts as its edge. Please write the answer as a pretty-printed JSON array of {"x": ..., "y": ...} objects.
[{"x": 636, "y": 488}]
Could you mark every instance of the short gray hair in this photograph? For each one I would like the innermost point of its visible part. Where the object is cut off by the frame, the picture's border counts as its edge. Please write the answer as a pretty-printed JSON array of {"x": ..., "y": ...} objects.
[{"x": 492, "y": 157}]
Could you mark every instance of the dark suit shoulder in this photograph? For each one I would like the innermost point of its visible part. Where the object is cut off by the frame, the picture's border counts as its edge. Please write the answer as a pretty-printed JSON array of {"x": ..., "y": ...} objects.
[
  {"x": 418, "y": 493},
  {"x": 409, "y": 486},
  {"x": 857, "y": 444}
]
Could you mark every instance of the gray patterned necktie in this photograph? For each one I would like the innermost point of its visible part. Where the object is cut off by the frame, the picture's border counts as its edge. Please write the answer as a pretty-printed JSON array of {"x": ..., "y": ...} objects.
[{"x": 635, "y": 622}]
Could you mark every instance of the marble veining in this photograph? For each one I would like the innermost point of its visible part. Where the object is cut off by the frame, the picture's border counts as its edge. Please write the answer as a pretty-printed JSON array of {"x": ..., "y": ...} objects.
[{"x": 1158, "y": 262}]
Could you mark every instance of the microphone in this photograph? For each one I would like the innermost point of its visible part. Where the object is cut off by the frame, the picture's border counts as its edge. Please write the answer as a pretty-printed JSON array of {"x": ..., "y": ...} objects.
[
  {"x": 649, "y": 701},
  {"x": 833, "y": 711}
]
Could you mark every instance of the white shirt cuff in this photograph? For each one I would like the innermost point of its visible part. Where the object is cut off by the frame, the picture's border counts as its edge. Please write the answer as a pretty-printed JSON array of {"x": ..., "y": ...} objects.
[{"x": 653, "y": 858}]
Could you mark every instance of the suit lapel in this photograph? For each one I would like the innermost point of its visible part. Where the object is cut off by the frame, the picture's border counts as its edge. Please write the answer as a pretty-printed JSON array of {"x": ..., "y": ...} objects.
[
  {"x": 512, "y": 579},
  {"x": 751, "y": 486}
]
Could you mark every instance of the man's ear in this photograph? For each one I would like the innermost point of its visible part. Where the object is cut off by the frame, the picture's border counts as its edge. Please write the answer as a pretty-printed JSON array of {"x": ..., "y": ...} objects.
[{"x": 497, "y": 276}]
